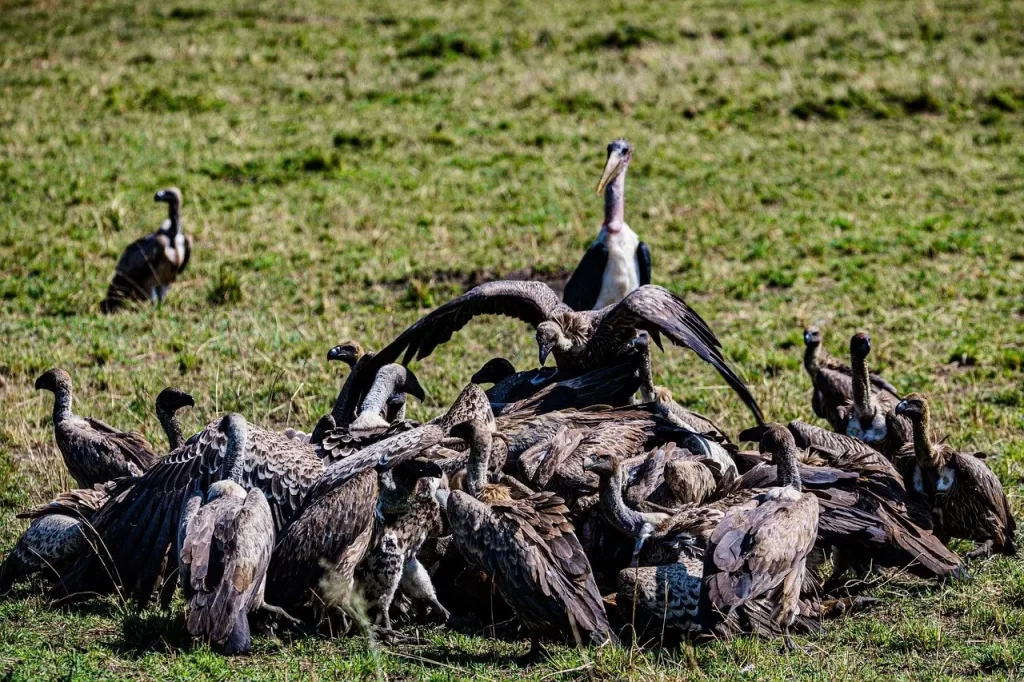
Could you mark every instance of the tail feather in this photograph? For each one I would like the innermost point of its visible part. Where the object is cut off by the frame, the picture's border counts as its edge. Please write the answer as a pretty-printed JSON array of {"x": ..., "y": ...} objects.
[{"x": 240, "y": 640}]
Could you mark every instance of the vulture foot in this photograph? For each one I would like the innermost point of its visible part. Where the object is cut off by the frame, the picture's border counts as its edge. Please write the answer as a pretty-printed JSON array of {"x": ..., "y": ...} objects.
[{"x": 982, "y": 551}]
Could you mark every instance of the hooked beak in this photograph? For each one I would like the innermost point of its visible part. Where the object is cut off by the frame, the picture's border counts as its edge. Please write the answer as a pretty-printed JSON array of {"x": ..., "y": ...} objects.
[
  {"x": 413, "y": 387},
  {"x": 160, "y": 196},
  {"x": 901, "y": 407},
  {"x": 612, "y": 168},
  {"x": 589, "y": 462},
  {"x": 545, "y": 351}
]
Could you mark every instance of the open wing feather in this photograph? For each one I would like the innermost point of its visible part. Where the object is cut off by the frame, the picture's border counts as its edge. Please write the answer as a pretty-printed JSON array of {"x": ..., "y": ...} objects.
[{"x": 658, "y": 311}]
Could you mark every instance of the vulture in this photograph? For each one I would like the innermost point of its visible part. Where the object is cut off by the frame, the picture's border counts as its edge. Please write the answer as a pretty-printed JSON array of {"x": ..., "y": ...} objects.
[
  {"x": 342, "y": 413},
  {"x": 168, "y": 403},
  {"x": 669, "y": 533},
  {"x": 346, "y": 410},
  {"x": 149, "y": 266},
  {"x": 509, "y": 385},
  {"x": 527, "y": 546},
  {"x": 139, "y": 526},
  {"x": 832, "y": 381},
  {"x": 94, "y": 452},
  {"x": 56, "y": 536},
  {"x": 580, "y": 341},
  {"x": 617, "y": 262},
  {"x": 392, "y": 561},
  {"x": 966, "y": 498},
  {"x": 225, "y": 543},
  {"x": 318, "y": 551},
  {"x": 759, "y": 549},
  {"x": 866, "y": 513},
  {"x": 869, "y": 417}
]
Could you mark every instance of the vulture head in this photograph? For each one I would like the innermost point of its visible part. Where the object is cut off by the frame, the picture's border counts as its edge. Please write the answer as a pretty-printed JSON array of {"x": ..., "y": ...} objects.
[
  {"x": 812, "y": 337},
  {"x": 171, "y": 195},
  {"x": 225, "y": 489},
  {"x": 620, "y": 153},
  {"x": 860, "y": 345},
  {"x": 775, "y": 440},
  {"x": 494, "y": 371},
  {"x": 914, "y": 407},
  {"x": 348, "y": 352},
  {"x": 604, "y": 465},
  {"x": 551, "y": 337},
  {"x": 54, "y": 380},
  {"x": 173, "y": 399}
]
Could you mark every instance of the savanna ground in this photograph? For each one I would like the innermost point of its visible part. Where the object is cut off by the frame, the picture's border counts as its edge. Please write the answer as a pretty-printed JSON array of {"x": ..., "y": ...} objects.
[{"x": 346, "y": 167}]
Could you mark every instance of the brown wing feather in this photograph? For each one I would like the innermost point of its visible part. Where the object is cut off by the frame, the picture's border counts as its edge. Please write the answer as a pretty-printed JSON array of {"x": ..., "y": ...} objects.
[
  {"x": 529, "y": 548},
  {"x": 656, "y": 310},
  {"x": 138, "y": 526},
  {"x": 756, "y": 546},
  {"x": 328, "y": 524},
  {"x": 132, "y": 445}
]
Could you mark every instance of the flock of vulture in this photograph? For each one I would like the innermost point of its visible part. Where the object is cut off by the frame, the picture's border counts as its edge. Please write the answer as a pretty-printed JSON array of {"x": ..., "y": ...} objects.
[{"x": 555, "y": 503}]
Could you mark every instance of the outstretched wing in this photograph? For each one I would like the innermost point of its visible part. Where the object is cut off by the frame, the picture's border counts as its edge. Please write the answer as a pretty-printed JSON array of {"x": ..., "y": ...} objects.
[
  {"x": 583, "y": 288},
  {"x": 382, "y": 455},
  {"x": 531, "y": 302},
  {"x": 136, "y": 528},
  {"x": 658, "y": 311}
]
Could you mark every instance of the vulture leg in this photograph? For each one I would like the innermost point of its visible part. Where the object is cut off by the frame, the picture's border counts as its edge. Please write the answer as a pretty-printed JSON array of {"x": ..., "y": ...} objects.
[
  {"x": 982, "y": 551},
  {"x": 278, "y": 612}
]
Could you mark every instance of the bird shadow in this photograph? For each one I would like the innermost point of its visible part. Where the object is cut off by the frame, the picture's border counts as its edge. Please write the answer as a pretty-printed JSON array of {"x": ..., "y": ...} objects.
[{"x": 149, "y": 632}]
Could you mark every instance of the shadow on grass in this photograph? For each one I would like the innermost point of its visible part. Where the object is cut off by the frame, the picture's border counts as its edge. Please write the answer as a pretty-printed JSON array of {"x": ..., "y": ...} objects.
[{"x": 156, "y": 631}]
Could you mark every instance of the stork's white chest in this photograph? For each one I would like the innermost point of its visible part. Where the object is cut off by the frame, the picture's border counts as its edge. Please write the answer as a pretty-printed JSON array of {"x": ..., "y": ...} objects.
[
  {"x": 175, "y": 250},
  {"x": 621, "y": 274}
]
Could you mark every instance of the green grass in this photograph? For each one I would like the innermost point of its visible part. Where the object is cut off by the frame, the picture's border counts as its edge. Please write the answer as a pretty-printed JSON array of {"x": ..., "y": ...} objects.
[{"x": 856, "y": 165}]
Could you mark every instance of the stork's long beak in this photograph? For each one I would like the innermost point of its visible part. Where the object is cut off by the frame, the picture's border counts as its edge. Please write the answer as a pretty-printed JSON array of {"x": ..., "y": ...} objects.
[{"x": 612, "y": 168}]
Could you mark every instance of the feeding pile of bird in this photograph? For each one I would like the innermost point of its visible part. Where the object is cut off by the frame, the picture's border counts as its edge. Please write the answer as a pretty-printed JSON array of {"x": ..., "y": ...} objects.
[{"x": 554, "y": 504}]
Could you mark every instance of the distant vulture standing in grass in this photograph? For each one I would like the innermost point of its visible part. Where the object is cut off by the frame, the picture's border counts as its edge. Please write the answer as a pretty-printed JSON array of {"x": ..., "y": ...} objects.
[
  {"x": 93, "y": 451},
  {"x": 966, "y": 498},
  {"x": 617, "y": 262},
  {"x": 150, "y": 265}
]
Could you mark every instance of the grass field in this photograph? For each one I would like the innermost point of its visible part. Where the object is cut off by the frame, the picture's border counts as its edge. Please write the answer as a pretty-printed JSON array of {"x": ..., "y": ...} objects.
[{"x": 345, "y": 168}]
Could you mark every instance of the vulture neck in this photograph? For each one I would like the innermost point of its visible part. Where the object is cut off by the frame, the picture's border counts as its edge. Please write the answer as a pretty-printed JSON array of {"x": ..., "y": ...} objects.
[
  {"x": 615, "y": 203},
  {"x": 479, "y": 453},
  {"x": 388, "y": 378},
  {"x": 237, "y": 432},
  {"x": 61, "y": 403},
  {"x": 811, "y": 358},
  {"x": 169, "y": 421},
  {"x": 647, "y": 392},
  {"x": 863, "y": 398},
  {"x": 925, "y": 452},
  {"x": 627, "y": 520},
  {"x": 788, "y": 471}
]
